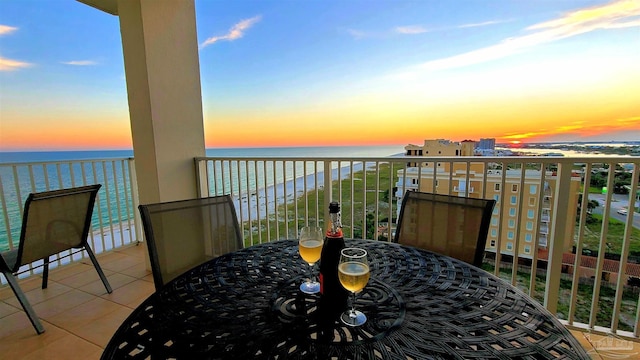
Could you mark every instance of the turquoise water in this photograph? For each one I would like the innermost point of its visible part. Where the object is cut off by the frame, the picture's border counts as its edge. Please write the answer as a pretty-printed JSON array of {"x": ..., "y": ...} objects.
[{"x": 112, "y": 171}]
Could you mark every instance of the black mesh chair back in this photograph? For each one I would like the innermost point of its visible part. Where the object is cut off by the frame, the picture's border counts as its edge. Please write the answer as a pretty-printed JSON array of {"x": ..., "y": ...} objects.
[
  {"x": 183, "y": 234},
  {"x": 52, "y": 222},
  {"x": 450, "y": 225}
]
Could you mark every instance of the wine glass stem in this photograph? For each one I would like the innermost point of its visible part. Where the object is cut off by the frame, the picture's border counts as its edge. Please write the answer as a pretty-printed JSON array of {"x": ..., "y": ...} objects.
[
  {"x": 353, "y": 305},
  {"x": 312, "y": 277}
]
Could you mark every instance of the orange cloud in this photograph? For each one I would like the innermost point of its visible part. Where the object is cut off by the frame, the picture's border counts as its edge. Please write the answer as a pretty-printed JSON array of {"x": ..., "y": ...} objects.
[{"x": 628, "y": 124}]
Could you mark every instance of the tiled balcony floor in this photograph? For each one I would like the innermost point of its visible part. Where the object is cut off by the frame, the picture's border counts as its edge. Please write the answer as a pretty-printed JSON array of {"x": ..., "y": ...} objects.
[{"x": 80, "y": 317}]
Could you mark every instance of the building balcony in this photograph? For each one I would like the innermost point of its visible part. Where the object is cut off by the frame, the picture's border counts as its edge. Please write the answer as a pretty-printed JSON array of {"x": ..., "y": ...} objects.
[{"x": 273, "y": 198}]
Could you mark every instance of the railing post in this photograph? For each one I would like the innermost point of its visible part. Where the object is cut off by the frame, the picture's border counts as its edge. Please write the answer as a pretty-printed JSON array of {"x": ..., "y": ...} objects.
[
  {"x": 202, "y": 177},
  {"x": 558, "y": 231},
  {"x": 328, "y": 190}
]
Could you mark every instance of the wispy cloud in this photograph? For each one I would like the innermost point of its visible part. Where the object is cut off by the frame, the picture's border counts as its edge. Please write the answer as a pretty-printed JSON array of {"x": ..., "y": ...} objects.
[
  {"x": 9, "y": 64},
  {"x": 619, "y": 14},
  {"x": 5, "y": 29},
  {"x": 579, "y": 128},
  {"x": 410, "y": 30},
  {"x": 484, "y": 23},
  {"x": 236, "y": 32},
  {"x": 80, "y": 62},
  {"x": 12, "y": 65},
  {"x": 357, "y": 34}
]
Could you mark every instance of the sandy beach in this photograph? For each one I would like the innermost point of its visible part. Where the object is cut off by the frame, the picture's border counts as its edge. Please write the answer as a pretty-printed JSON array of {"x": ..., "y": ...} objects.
[{"x": 266, "y": 199}]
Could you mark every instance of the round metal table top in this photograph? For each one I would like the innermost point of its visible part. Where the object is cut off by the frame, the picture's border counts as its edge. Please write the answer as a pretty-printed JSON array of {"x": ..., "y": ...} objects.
[{"x": 420, "y": 305}]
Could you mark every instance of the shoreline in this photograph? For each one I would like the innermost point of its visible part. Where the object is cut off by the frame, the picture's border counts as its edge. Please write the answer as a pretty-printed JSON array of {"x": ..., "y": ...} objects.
[{"x": 248, "y": 209}]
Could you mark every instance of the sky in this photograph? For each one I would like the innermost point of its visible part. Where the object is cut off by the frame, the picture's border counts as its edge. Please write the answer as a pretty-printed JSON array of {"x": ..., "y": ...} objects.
[{"x": 337, "y": 72}]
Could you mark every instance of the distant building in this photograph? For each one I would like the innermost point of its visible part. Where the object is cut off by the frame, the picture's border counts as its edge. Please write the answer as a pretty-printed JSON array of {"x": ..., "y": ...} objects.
[
  {"x": 440, "y": 147},
  {"x": 519, "y": 219},
  {"x": 486, "y": 147}
]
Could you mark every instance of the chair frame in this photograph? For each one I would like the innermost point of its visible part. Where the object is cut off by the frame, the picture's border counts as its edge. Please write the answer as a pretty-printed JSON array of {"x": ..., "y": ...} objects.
[
  {"x": 10, "y": 271},
  {"x": 146, "y": 212},
  {"x": 487, "y": 206}
]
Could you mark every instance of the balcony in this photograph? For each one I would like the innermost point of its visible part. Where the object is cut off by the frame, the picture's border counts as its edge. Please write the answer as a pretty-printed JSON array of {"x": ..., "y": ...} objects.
[{"x": 275, "y": 196}]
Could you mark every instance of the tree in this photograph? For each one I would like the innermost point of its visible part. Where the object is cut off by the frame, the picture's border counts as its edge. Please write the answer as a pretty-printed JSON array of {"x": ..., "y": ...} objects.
[{"x": 591, "y": 205}]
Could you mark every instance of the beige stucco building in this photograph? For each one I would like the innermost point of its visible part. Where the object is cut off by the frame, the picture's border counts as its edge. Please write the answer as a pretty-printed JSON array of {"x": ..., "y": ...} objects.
[{"x": 521, "y": 218}]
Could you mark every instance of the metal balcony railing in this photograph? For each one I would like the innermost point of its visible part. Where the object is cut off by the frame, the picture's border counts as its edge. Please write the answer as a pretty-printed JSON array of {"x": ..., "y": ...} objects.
[
  {"x": 584, "y": 258},
  {"x": 114, "y": 223}
]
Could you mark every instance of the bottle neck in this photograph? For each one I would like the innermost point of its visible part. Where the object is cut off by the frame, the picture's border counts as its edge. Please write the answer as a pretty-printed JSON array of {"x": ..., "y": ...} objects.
[{"x": 335, "y": 227}]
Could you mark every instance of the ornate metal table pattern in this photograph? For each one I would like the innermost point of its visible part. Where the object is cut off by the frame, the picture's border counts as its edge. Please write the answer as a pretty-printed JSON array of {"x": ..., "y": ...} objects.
[{"x": 420, "y": 305}]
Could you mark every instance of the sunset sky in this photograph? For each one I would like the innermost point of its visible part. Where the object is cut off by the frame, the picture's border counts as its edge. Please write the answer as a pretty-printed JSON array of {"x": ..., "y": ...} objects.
[{"x": 337, "y": 72}]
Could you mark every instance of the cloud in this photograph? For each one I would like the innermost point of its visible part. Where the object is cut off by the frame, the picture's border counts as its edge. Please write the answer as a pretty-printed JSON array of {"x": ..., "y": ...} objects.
[
  {"x": 485, "y": 23},
  {"x": 619, "y": 14},
  {"x": 9, "y": 64},
  {"x": 12, "y": 65},
  {"x": 357, "y": 34},
  {"x": 410, "y": 30},
  {"x": 80, "y": 62},
  {"x": 5, "y": 29},
  {"x": 236, "y": 32},
  {"x": 579, "y": 128}
]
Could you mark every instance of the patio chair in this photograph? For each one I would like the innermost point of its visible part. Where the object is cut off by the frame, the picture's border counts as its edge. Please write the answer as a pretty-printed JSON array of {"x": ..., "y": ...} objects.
[
  {"x": 183, "y": 234},
  {"x": 450, "y": 225},
  {"x": 52, "y": 222}
]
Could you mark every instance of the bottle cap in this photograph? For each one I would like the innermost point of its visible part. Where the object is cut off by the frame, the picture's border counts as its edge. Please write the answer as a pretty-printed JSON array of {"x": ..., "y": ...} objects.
[{"x": 334, "y": 207}]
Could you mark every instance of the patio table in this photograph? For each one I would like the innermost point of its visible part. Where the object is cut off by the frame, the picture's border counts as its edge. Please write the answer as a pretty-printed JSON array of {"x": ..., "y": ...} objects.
[{"x": 419, "y": 304}]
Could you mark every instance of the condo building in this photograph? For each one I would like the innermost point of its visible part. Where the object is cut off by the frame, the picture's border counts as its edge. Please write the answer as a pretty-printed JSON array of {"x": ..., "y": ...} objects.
[{"x": 521, "y": 217}]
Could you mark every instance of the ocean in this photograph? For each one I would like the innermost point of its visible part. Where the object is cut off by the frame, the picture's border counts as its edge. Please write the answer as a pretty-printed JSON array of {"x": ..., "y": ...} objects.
[{"x": 349, "y": 151}]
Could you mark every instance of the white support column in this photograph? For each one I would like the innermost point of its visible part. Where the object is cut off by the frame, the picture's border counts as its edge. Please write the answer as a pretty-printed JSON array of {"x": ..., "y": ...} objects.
[
  {"x": 558, "y": 233},
  {"x": 162, "y": 68}
]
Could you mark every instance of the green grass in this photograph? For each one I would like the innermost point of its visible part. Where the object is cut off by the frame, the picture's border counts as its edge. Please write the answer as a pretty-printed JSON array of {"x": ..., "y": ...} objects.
[{"x": 615, "y": 236}]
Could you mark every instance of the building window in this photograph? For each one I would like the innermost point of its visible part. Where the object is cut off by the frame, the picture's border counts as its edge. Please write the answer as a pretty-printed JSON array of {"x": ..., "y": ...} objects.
[
  {"x": 528, "y": 237},
  {"x": 493, "y": 243},
  {"x": 512, "y": 223},
  {"x": 514, "y": 199},
  {"x": 529, "y": 225},
  {"x": 496, "y": 198},
  {"x": 510, "y": 235},
  {"x": 509, "y": 246},
  {"x": 512, "y": 211},
  {"x": 494, "y": 233},
  {"x": 532, "y": 201},
  {"x": 496, "y": 187},
  {"x": 496, "y": 210},
  {"x": 527, "y": 249},
  {"x": 533, "y": 189},
  {"x": 530, "y": 213},
  {"x": 514, "y": 187},
  {"x": 494, "y": 221}
]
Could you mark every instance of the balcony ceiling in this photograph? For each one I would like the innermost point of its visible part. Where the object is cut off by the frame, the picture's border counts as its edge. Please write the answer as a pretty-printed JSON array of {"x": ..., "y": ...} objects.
[{"x": 108, "y": 6}]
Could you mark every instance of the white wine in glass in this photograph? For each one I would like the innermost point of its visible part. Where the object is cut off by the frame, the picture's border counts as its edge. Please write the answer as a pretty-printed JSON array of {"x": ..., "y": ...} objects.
[
  {"x": 353, "y": 272},
  {"x": 310, "y": 247}
]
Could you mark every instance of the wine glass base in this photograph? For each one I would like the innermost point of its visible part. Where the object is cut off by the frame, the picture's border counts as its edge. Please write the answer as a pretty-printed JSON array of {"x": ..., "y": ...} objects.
[
  {"x": 353, "y": 318},
  {"x": 312, "y": 287}
]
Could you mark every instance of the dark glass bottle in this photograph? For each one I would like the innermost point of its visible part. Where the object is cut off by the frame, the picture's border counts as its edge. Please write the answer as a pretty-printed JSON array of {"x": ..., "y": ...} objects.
[{"x": 333, "y": 297}]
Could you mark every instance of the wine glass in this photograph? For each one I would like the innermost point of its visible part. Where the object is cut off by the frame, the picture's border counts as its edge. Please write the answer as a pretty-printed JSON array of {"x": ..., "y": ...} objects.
[
  {"x": 353, "y": 272},
  {"x": 310, "y": 247}
]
